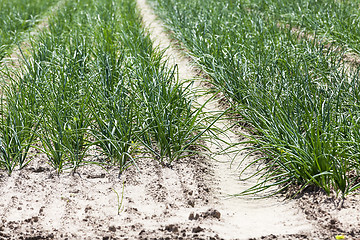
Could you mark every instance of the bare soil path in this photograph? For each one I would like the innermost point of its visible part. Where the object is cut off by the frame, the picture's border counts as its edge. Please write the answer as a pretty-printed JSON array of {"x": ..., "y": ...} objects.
[
  {"x": 313, "y": 216},
  {"x": 241, "y": 218}
]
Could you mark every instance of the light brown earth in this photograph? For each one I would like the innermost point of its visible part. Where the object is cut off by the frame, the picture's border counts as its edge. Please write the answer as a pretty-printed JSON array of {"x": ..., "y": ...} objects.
[{"x": 185, "y": 201}]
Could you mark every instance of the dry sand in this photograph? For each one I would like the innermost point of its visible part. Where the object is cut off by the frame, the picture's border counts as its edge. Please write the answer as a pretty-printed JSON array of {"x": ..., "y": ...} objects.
[{"x": 185, "y": 201}]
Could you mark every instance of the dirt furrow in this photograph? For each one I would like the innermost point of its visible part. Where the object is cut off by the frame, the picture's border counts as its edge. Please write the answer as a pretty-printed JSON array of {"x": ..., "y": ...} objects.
[{"x": 242, "y": 218}]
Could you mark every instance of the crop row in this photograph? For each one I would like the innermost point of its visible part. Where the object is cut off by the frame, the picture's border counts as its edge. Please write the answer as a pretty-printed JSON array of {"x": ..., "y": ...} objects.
[
  {"x": 299, "y": 99},
  {"x": 16, "y": 16},
  {"x": 335, "y": 20},
  {"x": 94, "y": 90}
]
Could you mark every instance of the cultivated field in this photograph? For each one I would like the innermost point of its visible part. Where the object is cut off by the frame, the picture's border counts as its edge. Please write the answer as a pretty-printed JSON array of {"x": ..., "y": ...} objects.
[{"x": 219, "y": 119}]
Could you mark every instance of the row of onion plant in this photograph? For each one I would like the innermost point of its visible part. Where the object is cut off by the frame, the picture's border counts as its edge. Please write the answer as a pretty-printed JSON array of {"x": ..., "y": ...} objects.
[
  {"x": 17, "y": 16},
  {"x": 335, "y": 20},
  {"x": 94, "y": 90},
  {"x": 298, "y": 99}
]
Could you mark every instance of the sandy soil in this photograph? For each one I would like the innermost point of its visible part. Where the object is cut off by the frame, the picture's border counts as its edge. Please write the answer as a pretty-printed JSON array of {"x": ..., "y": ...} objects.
[{"x": 185, "y": 201}]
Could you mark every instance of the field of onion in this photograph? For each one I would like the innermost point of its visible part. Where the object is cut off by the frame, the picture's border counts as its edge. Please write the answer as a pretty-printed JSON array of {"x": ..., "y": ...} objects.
[
  {"x": 292, "y": 89},
  {"x": 93, "y": 90},
  {"x": 337, "y": 21},
  {"x": 108, "y": 129}
]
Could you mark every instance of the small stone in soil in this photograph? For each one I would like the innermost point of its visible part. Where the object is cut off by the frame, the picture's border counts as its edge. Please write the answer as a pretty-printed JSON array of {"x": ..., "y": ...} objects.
[
  {"x": 213, "y": 213},
  {"x": 35, "y": 219},
  {"x": 172, "y": 228},
  {"x": 193, "y": 216},
  {"x": 197, "y": 229}
]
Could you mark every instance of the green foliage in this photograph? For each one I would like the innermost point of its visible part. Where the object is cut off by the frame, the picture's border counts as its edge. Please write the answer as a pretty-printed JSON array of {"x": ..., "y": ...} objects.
[
  {"x": 299, "y": 99},
  {"x": 16, "y": 16},
  {"x": 101, "y": 89},
  {"x": 17, "y": 129}
]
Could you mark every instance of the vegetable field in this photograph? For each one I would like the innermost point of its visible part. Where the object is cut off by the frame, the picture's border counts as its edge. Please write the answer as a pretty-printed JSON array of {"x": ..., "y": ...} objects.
[
  {"x": 17, "y": 17},
  {"x": 93, "y": 79},
  {"x": 282, "y": 68},
  {"x": 102, "y": 137}
]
